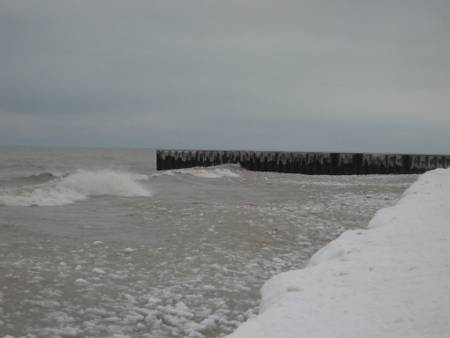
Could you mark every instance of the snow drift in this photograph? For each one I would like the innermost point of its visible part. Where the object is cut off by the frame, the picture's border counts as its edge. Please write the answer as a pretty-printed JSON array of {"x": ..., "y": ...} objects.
[{"x": 392, "y": 280}]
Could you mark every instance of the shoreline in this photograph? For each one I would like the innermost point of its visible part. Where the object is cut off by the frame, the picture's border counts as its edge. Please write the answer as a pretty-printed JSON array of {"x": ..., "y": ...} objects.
[{"x": 390, "y": 280}]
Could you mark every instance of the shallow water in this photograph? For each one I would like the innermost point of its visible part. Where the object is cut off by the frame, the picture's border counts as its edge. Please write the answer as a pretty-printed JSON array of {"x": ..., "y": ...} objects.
[{"x": 94, "y": 242}]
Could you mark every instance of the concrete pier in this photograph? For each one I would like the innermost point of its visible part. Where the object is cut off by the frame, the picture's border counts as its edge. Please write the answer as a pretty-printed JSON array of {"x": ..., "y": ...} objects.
[{"x": 312, "y": 163}]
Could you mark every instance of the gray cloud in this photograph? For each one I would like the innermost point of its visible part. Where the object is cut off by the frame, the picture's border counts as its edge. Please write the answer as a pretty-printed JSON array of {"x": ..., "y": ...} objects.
[{"x": 307, "y": 75}]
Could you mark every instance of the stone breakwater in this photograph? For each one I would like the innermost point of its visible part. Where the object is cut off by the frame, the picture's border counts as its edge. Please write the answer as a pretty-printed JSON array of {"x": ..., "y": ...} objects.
[{"x": 312, "y": 163}]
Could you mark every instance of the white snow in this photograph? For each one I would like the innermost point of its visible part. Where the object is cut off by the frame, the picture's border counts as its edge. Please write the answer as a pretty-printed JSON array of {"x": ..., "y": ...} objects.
[{"x": 392, "y": 280}]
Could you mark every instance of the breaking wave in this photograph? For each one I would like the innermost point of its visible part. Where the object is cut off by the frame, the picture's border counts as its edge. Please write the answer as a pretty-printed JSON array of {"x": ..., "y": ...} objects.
[
  {"x": 209, "y": 172},
  {"x": 77, "y": 186}
]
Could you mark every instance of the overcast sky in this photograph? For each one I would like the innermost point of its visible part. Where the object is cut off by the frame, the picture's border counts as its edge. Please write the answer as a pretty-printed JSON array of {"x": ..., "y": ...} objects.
[{"x": 245, "y": 74}]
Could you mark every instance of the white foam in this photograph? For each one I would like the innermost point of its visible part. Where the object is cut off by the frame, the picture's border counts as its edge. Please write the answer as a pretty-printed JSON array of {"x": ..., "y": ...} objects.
[
  {"x": 211, "y": 172},
  {"x": 77, "y": 186}
]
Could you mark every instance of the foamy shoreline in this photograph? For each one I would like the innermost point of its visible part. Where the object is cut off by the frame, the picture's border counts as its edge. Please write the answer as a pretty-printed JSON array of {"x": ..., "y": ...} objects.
[{"x": 96, "y": 257}]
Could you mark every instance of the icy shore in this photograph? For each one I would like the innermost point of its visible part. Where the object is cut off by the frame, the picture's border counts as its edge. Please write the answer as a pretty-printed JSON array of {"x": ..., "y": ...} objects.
[{"x": 392, "y": 280}]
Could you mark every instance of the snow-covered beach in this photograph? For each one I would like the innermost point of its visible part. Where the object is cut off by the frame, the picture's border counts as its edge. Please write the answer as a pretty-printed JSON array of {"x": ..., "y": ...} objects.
[
  {"x": 391, "y": 280},
  {"x": 209, "y": 169}
]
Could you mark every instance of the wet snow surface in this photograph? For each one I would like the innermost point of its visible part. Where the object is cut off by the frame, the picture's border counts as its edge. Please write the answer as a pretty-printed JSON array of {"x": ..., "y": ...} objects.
[{"x": 186, "y": 257}]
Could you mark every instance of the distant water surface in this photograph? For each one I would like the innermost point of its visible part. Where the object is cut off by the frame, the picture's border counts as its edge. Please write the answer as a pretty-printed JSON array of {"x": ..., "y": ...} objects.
[{"x": 96, "y": 243}]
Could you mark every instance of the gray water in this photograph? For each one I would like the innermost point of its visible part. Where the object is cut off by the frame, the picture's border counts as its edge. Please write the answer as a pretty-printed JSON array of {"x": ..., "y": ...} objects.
[{"x": 96, "y": 243}]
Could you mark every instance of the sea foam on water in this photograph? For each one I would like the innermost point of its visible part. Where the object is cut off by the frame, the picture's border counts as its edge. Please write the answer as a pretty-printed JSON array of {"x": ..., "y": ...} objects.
[{"x": 77, "y": 186}]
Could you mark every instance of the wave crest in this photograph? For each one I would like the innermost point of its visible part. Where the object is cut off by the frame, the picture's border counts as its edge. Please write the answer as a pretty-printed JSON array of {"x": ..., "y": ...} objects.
[
  {"x": 221, "y": 171},
  {"x": 77, "y": 186}
]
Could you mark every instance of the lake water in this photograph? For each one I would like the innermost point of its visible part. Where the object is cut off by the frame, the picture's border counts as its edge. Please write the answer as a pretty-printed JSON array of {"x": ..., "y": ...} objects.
[{"x": 96, "y": 243}]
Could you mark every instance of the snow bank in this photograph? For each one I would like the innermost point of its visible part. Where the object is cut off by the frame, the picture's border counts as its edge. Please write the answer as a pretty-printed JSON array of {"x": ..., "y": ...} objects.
[{"x": 392, "y": 280}]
